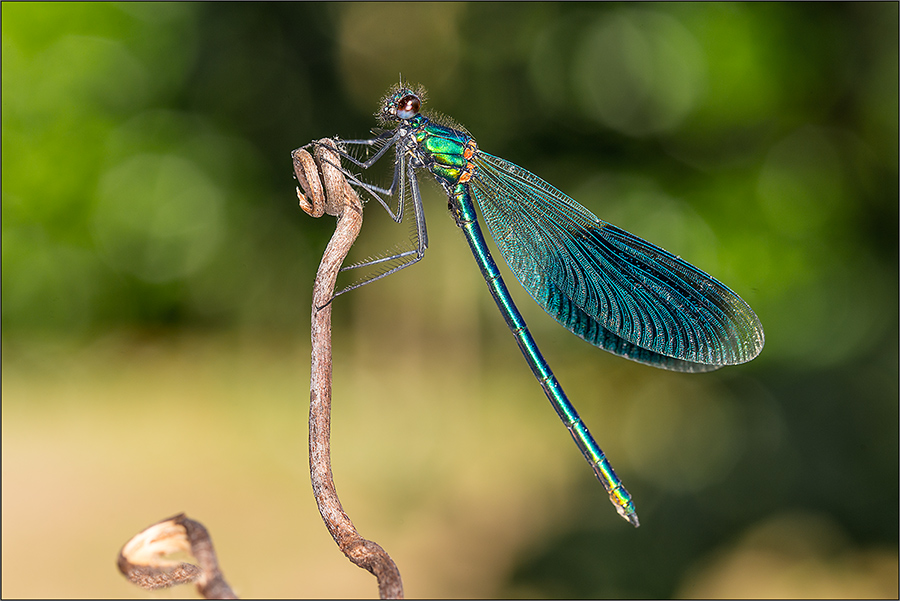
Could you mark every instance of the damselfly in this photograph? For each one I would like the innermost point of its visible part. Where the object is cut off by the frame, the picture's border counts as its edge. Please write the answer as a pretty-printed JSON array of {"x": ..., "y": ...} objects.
[{"x": 603, "y": 284}]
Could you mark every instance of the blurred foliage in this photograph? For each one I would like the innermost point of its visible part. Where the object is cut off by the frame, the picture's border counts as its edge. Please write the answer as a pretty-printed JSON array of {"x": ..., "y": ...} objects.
[{"x": 147, "y": 185}]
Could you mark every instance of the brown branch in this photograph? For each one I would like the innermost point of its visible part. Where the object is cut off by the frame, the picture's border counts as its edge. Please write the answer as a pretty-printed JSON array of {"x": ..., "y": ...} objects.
[
  {"x": 143, "y": 558},
  {"x": 339, "y": 199}
]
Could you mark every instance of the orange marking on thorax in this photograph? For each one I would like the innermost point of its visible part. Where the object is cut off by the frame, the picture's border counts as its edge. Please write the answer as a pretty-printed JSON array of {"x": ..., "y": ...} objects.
[{"x": 468, "y": 153}]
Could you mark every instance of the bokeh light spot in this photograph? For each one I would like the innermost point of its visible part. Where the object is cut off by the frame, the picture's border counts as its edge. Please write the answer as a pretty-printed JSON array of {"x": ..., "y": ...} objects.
[
  {"x": 157, "y": 217},
  {"x": 639, "y": 72},
  {"x": 681, "y": 436},
  {"x": 378, "y": 46},
  {"x": 801, "y": 183},
  {"x": 795, "y": 556}
]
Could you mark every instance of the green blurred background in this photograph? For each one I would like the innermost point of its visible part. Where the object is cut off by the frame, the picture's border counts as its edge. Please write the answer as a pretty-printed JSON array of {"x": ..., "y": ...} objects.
[{"x": 157, "y": 277}]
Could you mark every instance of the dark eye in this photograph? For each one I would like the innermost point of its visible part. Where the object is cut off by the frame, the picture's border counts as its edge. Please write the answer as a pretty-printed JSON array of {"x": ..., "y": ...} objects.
[{"x": 408, "y": 106}]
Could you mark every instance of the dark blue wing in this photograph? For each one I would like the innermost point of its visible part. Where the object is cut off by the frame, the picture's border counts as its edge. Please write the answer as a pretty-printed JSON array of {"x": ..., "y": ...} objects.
[{"x": 609, "y": 287}]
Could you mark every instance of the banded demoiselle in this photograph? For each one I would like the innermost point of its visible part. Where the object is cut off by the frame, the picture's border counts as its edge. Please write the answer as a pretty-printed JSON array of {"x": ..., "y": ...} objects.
[{"x": 603, "y": 284}]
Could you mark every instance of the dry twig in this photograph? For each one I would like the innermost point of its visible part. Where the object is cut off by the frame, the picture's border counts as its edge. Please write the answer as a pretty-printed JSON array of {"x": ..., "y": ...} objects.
[
  {"x": 339, "y": 199},
  {"x": 143, "y": 559}
]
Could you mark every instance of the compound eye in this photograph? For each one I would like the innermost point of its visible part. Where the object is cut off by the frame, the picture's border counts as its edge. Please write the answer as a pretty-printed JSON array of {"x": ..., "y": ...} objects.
[{"x": 408, "y": 106}]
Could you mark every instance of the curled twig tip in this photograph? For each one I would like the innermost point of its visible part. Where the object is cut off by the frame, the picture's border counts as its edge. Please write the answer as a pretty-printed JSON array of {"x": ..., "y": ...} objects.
[{"x": 144, "y": 559}]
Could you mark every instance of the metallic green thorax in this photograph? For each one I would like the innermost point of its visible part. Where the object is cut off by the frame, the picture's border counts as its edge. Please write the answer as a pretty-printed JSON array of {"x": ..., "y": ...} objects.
[{"x": 447, "y": 154}]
